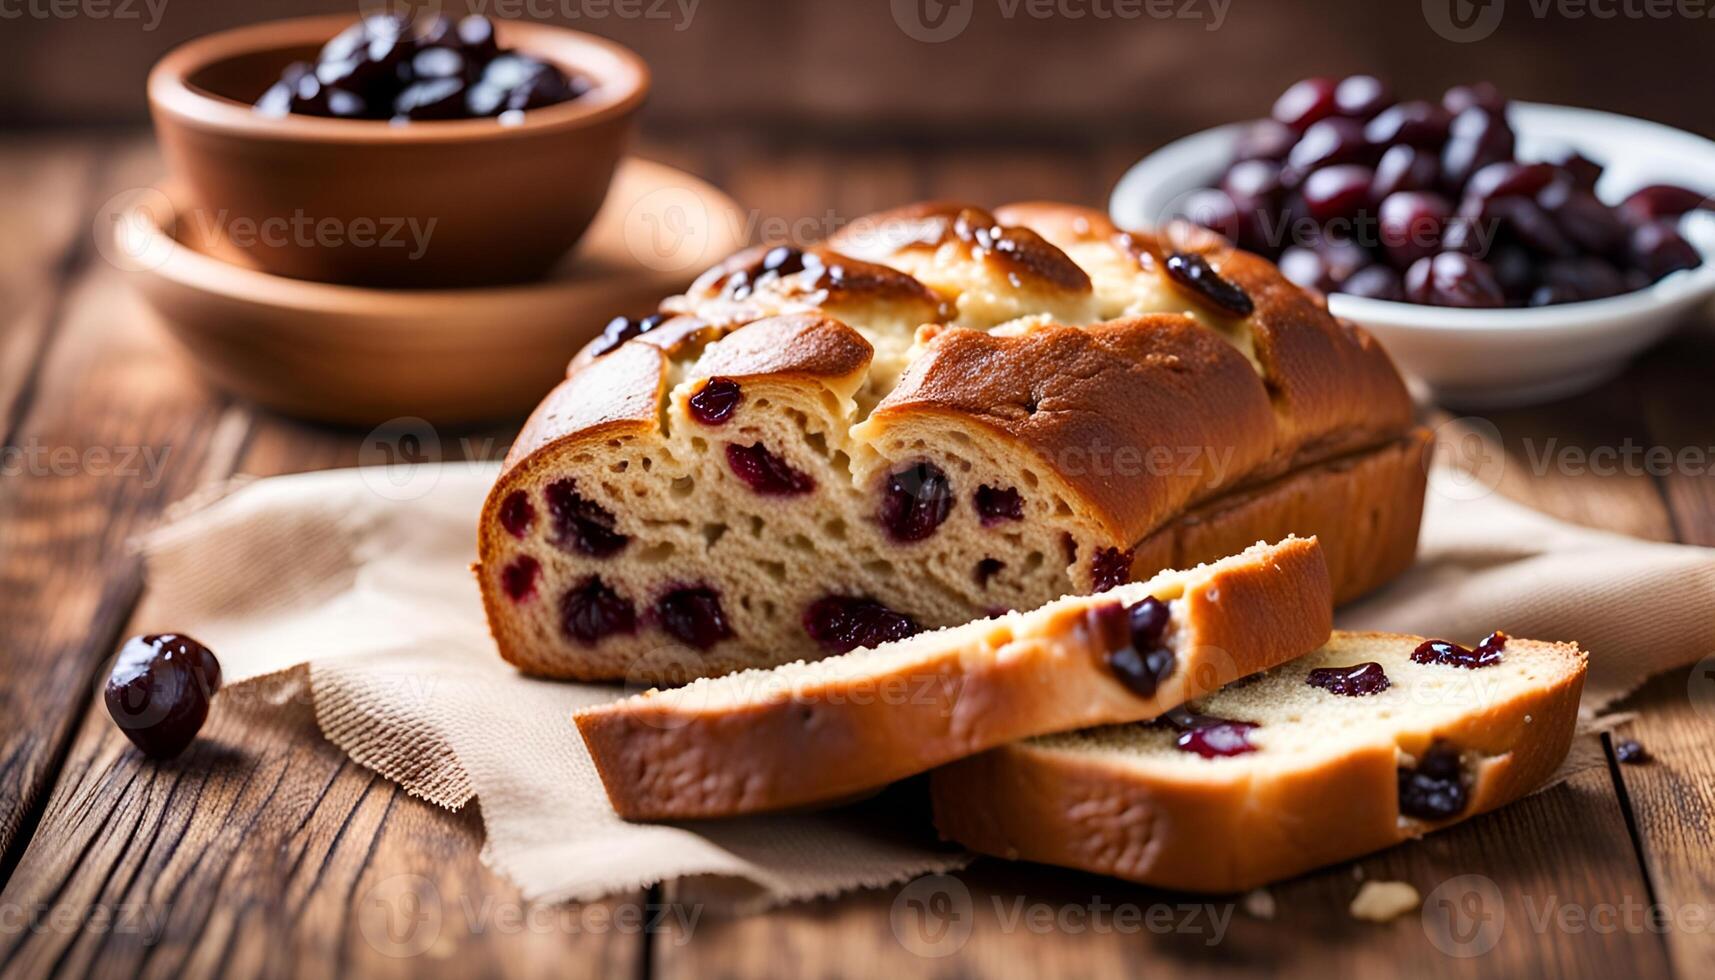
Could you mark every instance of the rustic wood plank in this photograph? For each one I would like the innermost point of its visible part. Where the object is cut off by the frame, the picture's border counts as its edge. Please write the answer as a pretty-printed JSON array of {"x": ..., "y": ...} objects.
[
  {"x": 1679, "y": 420},
  {"x": 1672, "y": 797},
  {"x": 264, "y": 851},
  {"x": 117, "y": 428},
  {"x": 1565, "y": 847},
  {"x": 46, "y": 185}
]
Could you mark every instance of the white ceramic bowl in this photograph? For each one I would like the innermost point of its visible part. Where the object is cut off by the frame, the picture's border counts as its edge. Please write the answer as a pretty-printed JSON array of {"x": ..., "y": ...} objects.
[{"x": 1499, "y": 357}]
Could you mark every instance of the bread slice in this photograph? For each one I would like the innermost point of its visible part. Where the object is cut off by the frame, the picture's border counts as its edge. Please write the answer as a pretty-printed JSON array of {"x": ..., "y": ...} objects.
[
  {"x": 1324, "y": 784},
  {"x": 942, "y": 411},
  {"x": 810, "y": 733}
]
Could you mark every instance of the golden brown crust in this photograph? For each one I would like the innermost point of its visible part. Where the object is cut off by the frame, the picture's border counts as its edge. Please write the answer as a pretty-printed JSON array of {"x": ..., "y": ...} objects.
[
  {"x": 1364, "y": 507},
  {"x": 1246, "y": 411},
  {"x": 625, "y": 394},
  {"x": 670, "y": 337},
  {"x": 1087, "y": 401},
  {"x": 1059, "y": 223},
  {"x": 1012, "y": 250},
  {"x": 1229, "y": 833},
  {"x": 984, "y": 685},
  {"x": 802, "y": 345},
  {"x": 770, "y": 280},
  {"x": 1334, "y": 386}
]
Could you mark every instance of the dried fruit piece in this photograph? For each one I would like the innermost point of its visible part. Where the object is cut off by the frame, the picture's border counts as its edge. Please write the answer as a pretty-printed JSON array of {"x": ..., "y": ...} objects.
[
  {"x": 844, "y": 623},
  {"x": 159, "y": 690},
  {"x": 693, "y": 615},
  {"x": 766, "y": 473},
  {"x": 1109, "y": 568},
  {"x": 1358, "y": 680},
  {"x": 995, "y": 506},
  {"x": 715, "y": 401},
  {"x": 518, "y": 578},
  {"x": 1139, "y": 660},
  {"x": 1193, "y": 272},
  {"x": 916, "y": 501},
  {"x": 1434, "y": 789},
  {"x": 1306, "y": 102},
  {"x": 581, "y": 525},
  {"x": 1447, "y": 653},
  {"x": 591, "y": 611},
  {"x": 621, "y": 329},
  {"x": 1208, "y": 736},
  {"x": 516, "y": 513}
]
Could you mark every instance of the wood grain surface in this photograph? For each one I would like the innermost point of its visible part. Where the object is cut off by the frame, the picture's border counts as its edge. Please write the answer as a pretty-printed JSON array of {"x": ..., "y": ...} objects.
[
  {"x": 1047, "y": 68},
  {"x": 264, "y": 852}
]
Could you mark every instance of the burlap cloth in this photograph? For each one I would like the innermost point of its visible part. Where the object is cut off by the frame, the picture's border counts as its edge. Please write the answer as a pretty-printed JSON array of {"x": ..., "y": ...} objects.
[{"x": 352, "y": 588}]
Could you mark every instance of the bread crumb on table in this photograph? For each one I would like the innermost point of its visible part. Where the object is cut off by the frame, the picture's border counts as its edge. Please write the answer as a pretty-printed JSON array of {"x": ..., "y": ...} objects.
[
  {"x": 1384, "y": 901},
  {"x": 1259, "y": 904}
]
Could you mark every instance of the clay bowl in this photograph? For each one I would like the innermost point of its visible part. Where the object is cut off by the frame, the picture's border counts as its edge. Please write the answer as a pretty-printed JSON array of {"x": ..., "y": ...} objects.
[
  {"x": 425, "y": 204},
  {"x": 361, "y": 356}
]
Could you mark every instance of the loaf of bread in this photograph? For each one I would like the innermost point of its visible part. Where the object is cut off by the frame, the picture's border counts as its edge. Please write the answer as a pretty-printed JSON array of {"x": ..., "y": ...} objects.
[
  {"x": 809, "y": 733},
  {"x": 938, "y": 414},
  {"x": 1369, "y": 741}
]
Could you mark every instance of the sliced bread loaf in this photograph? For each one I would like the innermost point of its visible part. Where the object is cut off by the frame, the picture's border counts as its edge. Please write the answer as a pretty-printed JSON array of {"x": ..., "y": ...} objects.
[
  {"x": 808, "y": 733},
  {"x": 938, "y": 413},
  {"x": 1373, "y": 739}
]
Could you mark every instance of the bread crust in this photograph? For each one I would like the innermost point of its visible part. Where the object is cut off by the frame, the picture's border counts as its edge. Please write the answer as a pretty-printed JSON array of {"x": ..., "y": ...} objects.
[
  {"x": 1011, "y": 249},
  {"x": 1286, "y": 421},
  {"x": 975, "y": 687},
  {"x": 1231, "y": 830},
  {"x": 1333, "y": 385},
  {"x": 1364, "y": 507},
  {"x": 1066, "y": 395}
]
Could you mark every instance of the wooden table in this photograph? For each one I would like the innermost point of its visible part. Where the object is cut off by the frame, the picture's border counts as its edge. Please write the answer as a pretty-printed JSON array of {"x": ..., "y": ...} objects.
[{"x": 265, "y": 851}]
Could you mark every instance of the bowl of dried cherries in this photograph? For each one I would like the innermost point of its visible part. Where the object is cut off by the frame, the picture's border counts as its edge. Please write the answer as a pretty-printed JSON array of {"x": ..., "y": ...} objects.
[
  {"x": 1504, "y": 252},
  {"x": 487, "y": 146}
]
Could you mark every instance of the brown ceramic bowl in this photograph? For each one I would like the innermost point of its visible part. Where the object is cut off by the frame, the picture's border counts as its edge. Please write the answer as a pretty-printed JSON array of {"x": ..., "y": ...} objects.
[
  {"x": 463, "y": 202},
  {"x": 362, "y": 356}
]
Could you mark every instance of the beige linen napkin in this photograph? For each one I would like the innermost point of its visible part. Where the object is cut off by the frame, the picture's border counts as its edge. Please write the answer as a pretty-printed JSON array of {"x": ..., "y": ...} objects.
[{"x": 352, "y": 588}]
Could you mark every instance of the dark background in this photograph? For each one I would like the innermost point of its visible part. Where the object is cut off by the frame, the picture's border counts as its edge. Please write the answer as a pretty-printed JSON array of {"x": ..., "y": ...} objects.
[{"x": 840, "y": 70}]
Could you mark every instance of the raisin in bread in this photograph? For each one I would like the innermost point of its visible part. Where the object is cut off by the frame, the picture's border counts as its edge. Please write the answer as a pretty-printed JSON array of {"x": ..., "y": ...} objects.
[
  {"x": 1353, "y": 748},
  {"x": 815, "y": 732},
  {"x": 939, "y": 413}
]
